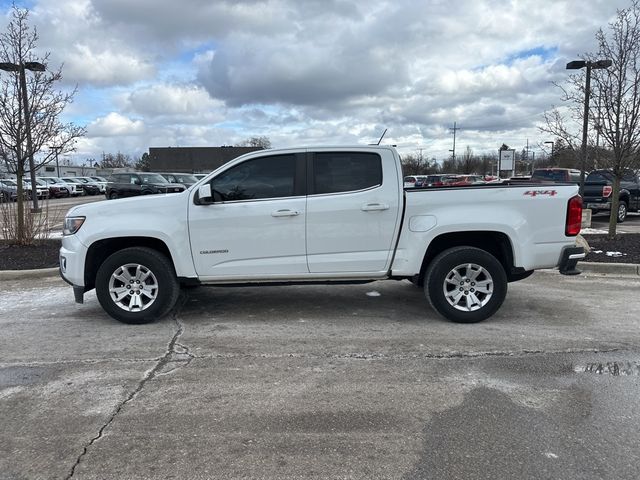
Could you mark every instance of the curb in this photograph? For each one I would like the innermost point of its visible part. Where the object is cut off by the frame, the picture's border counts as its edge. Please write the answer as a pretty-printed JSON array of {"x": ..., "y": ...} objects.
[
  {"x": 37, "y": 273},
  {"x": 610, "y": 268},
  {"x": 584, "y": 267}
]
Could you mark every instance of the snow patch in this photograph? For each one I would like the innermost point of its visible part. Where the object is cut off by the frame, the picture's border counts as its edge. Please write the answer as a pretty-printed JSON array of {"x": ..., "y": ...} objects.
[{"x": 373, "y": 294}]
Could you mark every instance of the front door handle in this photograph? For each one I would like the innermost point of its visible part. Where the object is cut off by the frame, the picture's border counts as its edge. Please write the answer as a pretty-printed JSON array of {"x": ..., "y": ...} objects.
[
  {"x": 285, "y": 213},
  {"x": 369, "y": 207}
]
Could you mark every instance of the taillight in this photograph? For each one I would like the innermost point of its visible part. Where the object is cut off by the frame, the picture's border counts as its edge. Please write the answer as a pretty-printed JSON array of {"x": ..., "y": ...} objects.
[
  {"x": 606, "y": 191},
  {"x": 574, "y": 216}
]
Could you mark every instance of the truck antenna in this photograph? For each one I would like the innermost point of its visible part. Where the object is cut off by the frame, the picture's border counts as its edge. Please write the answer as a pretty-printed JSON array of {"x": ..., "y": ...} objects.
[{"x": 385, "y": 131}]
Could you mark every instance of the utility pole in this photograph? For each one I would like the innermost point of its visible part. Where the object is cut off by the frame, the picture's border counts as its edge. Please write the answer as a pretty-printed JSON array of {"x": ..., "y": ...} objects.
[
  {"x": 56, "y": 150},
  {"x": 454, "y": 130}
]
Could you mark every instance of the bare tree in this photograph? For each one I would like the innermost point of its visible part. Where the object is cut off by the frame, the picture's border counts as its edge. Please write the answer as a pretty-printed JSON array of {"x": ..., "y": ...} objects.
[
  {"x": 614, "y": 113},
  {"x": 119, "y": 160},
  {"x": 262, "y": 142},
  {"x": 17, "y": 47},
  {"x": 618, "y": 89}
]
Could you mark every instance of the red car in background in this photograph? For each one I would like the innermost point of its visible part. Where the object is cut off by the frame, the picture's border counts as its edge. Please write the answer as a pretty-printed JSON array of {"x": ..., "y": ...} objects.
[{"x": 462, "y": 180}]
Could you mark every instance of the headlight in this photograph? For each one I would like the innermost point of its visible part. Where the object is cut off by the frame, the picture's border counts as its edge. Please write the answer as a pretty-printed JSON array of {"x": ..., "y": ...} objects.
[{"x": 72, "y": 225}]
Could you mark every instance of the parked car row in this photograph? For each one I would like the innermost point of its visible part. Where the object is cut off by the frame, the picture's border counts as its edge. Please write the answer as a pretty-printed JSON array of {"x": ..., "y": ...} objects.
[
  {"x": 9, "y": 190},
  {"x": 598, "y": 186},
  {"x": 74, "y": 186},
  {"x": 442, "y": 180},
  {"x": 116, "y": 186}
]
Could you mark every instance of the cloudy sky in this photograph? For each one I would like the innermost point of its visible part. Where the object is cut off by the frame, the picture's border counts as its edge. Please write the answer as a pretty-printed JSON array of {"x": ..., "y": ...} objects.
[{"x": 313, "y": 72}]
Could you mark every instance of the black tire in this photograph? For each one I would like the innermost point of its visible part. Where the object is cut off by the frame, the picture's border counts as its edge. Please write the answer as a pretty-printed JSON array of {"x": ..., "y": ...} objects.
[
  {"x": 113, "y": 195},
  {"x": 487, "y": 270},
  {"x": 160, "y": 280},
  {"x": 623, "y": 209}
]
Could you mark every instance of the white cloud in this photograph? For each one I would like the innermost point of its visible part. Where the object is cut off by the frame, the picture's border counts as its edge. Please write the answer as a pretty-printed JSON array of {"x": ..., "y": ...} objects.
[
  {"x": 173, "y": 100},
  {"x": 197, "y": 72},
  {"x": 105, "y": 68},
  {"x": 114, "y": 125}
]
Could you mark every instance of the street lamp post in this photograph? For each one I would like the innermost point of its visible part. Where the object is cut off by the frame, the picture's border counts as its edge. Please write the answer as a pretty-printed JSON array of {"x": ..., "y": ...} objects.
[
  {"x": 34, "y": 67},
  {"x": 576, "y": 65}
]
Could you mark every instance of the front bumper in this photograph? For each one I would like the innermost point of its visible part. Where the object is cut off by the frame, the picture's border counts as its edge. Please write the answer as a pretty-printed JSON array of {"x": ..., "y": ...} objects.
[
  {"x": 569, "y": 259},
  {"x": 72, "y": 259}
]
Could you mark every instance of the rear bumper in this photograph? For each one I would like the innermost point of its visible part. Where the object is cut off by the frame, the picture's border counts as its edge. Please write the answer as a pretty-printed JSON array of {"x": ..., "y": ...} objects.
[
  {"x": 595, "y": 206},
  {"x": 569, "y": 258}
]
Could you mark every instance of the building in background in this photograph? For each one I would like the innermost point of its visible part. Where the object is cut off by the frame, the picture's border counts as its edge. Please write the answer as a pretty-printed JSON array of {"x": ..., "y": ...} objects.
[{"x": 193, "y": 159}]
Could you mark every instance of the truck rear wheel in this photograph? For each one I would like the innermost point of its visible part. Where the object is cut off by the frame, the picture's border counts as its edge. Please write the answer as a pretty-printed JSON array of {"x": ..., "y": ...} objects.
[
  {"x": 465, "y": 284},
  {"x": 137, "y": 285},
  {"x": 622, "y": 211}
]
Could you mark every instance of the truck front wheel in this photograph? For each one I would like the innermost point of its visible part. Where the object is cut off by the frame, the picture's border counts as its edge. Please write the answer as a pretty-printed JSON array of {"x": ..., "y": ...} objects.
[
  {"x": 137, "y": 285},
  {"x": 465, "y": 284}
]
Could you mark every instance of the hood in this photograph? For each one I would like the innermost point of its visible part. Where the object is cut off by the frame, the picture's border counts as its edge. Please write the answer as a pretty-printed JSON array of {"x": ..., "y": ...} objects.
[{"x": 141, "y": 202}]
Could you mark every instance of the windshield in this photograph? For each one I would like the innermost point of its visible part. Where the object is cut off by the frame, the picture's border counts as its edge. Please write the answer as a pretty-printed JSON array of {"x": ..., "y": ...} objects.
[
  {"x": 152, "y": 178},
  {"x": 185, "y": 178},
  {"x": 81, "y": 180}
]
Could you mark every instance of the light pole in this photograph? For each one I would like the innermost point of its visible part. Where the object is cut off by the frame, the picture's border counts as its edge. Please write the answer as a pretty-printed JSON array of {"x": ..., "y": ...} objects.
[
  {"x": 576, "y": 65},
  {"x": 34, "y": 67}
]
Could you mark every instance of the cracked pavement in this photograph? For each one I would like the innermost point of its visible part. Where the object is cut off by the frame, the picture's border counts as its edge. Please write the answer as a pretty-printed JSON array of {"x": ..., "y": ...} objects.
[{"x": 323, "y": 382}]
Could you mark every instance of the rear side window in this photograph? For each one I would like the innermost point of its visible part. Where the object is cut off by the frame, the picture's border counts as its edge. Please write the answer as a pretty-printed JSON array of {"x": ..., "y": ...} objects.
[
  {"x": 599, "y": 177},
  {"x": 346, "y": 171},
  {"x": 549, "y": 175}
]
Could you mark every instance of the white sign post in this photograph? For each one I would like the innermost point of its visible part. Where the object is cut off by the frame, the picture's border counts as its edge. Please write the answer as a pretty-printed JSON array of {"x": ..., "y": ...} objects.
[{"x": 506, "y": 161}]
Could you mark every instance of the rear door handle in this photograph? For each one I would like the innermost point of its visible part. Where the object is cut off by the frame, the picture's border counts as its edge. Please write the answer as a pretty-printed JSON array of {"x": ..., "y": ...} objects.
[
  {"x": 285, "y": 213},
  {"x": 369, "y": 207}
]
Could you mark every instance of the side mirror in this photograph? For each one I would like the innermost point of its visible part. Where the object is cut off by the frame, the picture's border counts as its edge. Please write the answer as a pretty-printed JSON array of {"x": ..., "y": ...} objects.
[{"x": 204, "y": 194}]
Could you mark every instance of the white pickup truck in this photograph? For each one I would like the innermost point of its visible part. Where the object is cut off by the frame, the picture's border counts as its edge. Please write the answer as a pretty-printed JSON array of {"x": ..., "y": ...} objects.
[{"x": 320, "y": 215}]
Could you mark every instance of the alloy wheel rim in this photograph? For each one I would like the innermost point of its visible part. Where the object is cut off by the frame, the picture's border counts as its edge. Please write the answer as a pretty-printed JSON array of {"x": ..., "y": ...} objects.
[
  {"x": 468, "y": 287},
  {"x": 133, "y": 287},
  {"x": 622, "y": 210}
]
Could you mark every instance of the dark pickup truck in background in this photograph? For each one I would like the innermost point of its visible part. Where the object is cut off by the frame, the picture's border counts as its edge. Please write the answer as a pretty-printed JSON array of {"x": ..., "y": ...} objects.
[
  {"x": 556, "y": 175},
  {"x": 597, "y": 193}
]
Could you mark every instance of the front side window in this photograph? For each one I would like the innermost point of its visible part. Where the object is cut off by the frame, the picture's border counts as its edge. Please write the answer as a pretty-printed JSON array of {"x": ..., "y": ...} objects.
[
  {"x": 264, "y": 177},
  {"x": 346, "y": 171}
]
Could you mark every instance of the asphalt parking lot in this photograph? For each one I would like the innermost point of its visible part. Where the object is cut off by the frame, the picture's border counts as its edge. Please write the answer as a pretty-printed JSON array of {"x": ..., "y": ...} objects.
[{"x": 354, "y": 382}]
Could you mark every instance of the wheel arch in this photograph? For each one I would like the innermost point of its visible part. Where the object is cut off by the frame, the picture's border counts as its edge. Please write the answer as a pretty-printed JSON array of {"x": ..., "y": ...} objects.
[
  {"x": 100, "y": 250},
  {"x": 497, "y": 244}
]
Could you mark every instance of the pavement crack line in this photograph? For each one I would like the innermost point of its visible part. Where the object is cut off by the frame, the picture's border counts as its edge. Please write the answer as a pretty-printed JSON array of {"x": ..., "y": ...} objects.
[
  {"x": 156, "y": 371},
  {"x": 414, "y": 356}
]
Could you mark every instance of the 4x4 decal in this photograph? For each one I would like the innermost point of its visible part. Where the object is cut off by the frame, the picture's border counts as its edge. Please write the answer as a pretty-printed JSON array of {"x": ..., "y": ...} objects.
[{"x": 535, "y": 193}]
